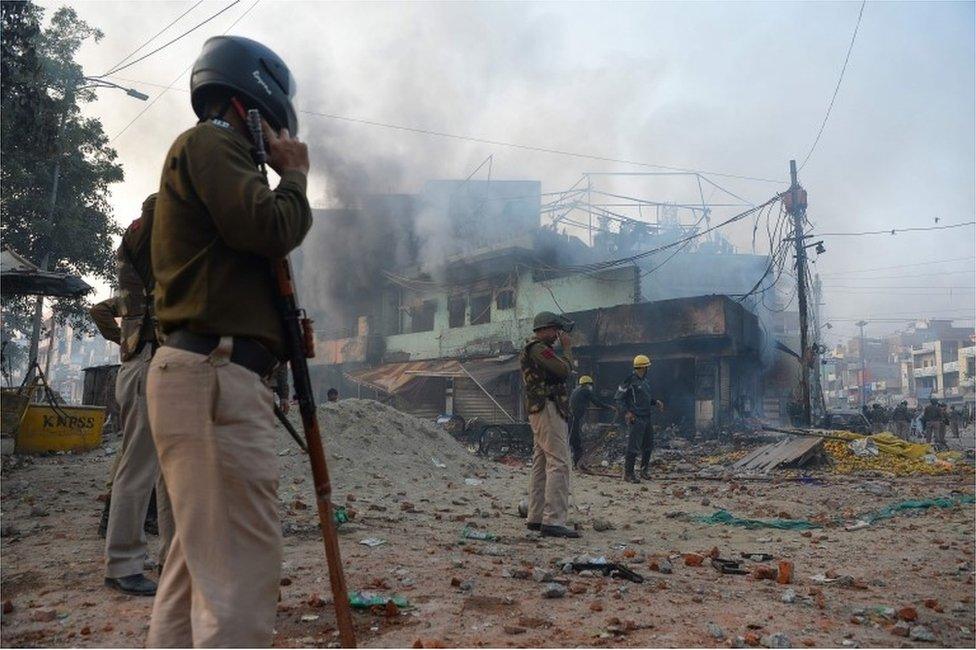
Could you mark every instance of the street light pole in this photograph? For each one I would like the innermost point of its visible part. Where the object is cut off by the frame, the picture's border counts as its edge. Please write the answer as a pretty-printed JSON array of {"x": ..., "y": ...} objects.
[{"x": 71, "y": 86}]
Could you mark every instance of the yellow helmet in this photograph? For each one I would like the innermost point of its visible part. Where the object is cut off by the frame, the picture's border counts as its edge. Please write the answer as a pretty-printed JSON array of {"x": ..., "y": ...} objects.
[
  {"x": 585, "y": 379},
  {"x": 642, "y": 361}
]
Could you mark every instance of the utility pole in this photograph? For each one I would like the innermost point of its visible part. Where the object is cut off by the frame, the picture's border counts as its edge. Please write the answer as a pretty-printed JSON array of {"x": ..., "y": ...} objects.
[
  {"x": 797, "y": 208},
  {"x": 860, "y": 349}
]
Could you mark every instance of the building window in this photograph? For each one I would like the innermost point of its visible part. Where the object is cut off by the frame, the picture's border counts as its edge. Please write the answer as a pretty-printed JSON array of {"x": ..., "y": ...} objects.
[
  {"x": 505, "y": 298},
  {"x": 455, "y": 311},
  {"x": 422, "y": 316},
  {"x": 481, "y": 308}
]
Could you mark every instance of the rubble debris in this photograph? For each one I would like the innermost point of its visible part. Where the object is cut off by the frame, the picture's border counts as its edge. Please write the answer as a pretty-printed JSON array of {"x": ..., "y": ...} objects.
[
  {"x": 600, "y": 525},
  {"x": 921, "y": 633},
  {"x": 715, "y": 631},
  {"x": 43, "y": 615},
  {"x": 693, "y": 559},
  {"x": 784, "y": 575},
  {"x": 471, "y": 533},
  {"x": 732, "y": 567},
  {"x": 901, "y": 628},
  {"x": 542, "y": 575},
  {"x": 788, "y": 597},
  {"x": 553, "y": 590},
  {"x": 372, "y": 542},
  {"x": 839, "y": 581},
  {"x": 763, "y": 572},
  {"x": 777, "y": 640}
]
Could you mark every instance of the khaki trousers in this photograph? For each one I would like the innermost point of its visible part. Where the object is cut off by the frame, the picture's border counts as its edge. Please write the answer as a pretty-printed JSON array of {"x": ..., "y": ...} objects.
[
  {"x": 549, "y": 482},
  {"x": 213, "y": 424},
  {"x": 136, "y": 473}
]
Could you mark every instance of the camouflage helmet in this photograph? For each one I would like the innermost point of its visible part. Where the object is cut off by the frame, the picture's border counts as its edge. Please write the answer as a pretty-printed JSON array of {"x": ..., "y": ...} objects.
[{"x": 546, "y": 319}]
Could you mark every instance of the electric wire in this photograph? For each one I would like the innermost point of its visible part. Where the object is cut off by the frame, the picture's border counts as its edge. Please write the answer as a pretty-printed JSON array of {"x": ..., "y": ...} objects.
[
  {"x": 525, "y": 147},
  {"x": 178, "y": 77},
  {"x": 115, "y": 67},
  {"x": 513, "y": 145},
  {"x": 900, "y": 266},
  {"x": 892, "y": 231},
  {"x": 174, "y": 40},
  {"x": 830, "y": 106}
]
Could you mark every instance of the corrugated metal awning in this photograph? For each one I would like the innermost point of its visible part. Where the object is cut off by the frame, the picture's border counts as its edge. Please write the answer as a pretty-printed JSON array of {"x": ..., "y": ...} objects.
[
  {"x": 488, "y": 370},
  {"x": 395, "y": 377}
]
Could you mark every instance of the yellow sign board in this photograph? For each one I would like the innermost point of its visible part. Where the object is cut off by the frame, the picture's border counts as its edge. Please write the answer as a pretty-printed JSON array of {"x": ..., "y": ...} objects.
[{"x": 65, "y": 428}]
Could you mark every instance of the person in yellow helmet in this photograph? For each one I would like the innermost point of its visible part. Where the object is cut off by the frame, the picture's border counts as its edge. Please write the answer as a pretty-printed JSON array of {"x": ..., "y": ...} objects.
[
  {"x": 581, "y": 398},
  {"x": 634, "y": 399}
]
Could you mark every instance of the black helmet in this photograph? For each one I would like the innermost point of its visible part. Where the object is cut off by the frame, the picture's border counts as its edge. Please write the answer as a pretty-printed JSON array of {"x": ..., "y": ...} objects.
[{"x": 249, "y": 69}]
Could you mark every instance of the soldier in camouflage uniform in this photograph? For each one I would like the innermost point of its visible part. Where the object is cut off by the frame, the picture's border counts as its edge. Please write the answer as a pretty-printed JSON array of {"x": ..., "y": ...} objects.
[
  {"x": 545, "y": 372},
  {"x": 137, "y": 468}
]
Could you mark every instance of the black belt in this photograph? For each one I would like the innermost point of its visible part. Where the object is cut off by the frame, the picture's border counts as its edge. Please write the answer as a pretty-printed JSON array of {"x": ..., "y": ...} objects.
[{"x": 246, "y": 352}]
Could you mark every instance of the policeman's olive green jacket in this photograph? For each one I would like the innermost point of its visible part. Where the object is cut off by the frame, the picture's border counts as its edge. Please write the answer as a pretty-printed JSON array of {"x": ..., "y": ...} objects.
[
  {"x": 217, "y": 225},
  {"x": 545, "y": 373}
]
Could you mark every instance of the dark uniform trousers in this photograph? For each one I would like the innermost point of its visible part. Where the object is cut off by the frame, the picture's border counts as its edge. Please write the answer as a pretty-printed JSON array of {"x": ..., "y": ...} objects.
[
  {"x": 640, "y": 439},
  {"x": 576, "y": 436}
]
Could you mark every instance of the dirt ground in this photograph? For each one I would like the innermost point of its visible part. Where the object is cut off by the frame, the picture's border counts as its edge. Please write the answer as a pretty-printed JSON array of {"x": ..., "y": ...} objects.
[{"x": 467, "y": 593}]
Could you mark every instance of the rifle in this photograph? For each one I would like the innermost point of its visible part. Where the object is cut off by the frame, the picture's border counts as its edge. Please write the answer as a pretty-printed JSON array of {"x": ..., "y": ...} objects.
[{"x": 301, "y": 346}]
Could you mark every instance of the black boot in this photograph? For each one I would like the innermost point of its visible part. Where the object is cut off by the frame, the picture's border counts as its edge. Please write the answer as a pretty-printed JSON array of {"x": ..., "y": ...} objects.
[
  {"x": 646, "y": 464},
  {"x": 103, "y": 523},
  {"x": 629, "y": 475},
  {"x": 134, "y": 585}
]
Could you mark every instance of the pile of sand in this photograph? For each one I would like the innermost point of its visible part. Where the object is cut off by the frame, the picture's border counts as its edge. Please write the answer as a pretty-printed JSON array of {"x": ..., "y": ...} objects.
[{"x": 383, "y": 456}]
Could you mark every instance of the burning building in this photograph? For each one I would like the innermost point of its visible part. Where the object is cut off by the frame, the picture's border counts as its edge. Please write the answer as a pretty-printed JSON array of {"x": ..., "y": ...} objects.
[{"x": 425, "y": 301}]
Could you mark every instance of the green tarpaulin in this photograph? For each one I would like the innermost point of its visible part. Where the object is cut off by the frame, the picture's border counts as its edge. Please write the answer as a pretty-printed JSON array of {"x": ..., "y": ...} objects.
[{"x": 726, "y": 518}]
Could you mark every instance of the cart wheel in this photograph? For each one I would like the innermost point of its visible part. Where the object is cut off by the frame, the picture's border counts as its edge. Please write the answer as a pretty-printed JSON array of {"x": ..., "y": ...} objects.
[{"x": 492, "y": 441}]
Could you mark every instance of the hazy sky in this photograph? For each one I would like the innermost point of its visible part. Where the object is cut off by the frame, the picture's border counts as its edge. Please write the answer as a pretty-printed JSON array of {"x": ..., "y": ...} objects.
[{"x": 738, "y": 88}]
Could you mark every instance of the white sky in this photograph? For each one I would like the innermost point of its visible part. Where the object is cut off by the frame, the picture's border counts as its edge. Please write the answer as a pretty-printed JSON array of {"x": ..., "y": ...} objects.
[{"x": 729, "y": 87}]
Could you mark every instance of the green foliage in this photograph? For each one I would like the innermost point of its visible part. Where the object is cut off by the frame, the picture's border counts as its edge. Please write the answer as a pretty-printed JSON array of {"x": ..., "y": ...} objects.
[{"x": 41, "y": 129}]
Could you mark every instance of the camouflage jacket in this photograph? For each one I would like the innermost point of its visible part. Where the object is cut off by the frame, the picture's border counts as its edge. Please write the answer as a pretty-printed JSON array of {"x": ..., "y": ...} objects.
[
  {"x": 136, "y": 284},
  {"x": 544, "y": 373}
]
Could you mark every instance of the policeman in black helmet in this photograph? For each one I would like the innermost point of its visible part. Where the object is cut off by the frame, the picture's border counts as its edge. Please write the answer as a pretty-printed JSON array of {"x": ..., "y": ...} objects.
[{"x": 217, "y": 226}]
